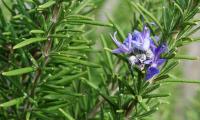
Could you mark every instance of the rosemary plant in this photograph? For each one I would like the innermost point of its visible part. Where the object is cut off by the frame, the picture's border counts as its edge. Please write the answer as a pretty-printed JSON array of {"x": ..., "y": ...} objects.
[{"x": 51, "y": 67}]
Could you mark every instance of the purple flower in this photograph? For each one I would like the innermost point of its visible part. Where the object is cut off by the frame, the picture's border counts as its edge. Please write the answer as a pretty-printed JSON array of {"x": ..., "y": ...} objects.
[
  {"x": 141, "y": 58},
  {"x": 141, "y": 40},
  {"x": 142, "y": 51},
  {"x": 137, "y": 40},
  {"x": 125, "y": 47},
  {"x": 152, "y": 70}
]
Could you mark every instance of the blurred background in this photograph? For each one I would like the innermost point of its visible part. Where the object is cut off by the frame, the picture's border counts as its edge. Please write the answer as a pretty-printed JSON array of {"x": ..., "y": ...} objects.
[{"x": 184, "y": 99}]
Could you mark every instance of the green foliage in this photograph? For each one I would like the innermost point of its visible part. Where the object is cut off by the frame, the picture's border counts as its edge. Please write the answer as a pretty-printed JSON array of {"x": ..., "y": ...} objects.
[
  {"x": 50, "y": 37},
  {"x": 51, "y": 67}
]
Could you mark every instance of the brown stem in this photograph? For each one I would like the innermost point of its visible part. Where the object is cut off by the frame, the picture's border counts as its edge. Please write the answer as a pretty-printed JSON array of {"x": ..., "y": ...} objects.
[
  {"x": 111, "y": 87},
  {"x": 47, "y": 48},
  {"x": 96, "y": 108},
  {"x": 129, "y": 110}
]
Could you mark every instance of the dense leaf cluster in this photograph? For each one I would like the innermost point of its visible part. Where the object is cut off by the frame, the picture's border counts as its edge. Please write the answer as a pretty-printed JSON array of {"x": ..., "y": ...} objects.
[{"x": 50, "y": 67}]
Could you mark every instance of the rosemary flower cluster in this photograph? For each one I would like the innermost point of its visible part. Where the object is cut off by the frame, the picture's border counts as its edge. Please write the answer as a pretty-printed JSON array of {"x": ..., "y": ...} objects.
[{"x": 142, "y": 51}]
